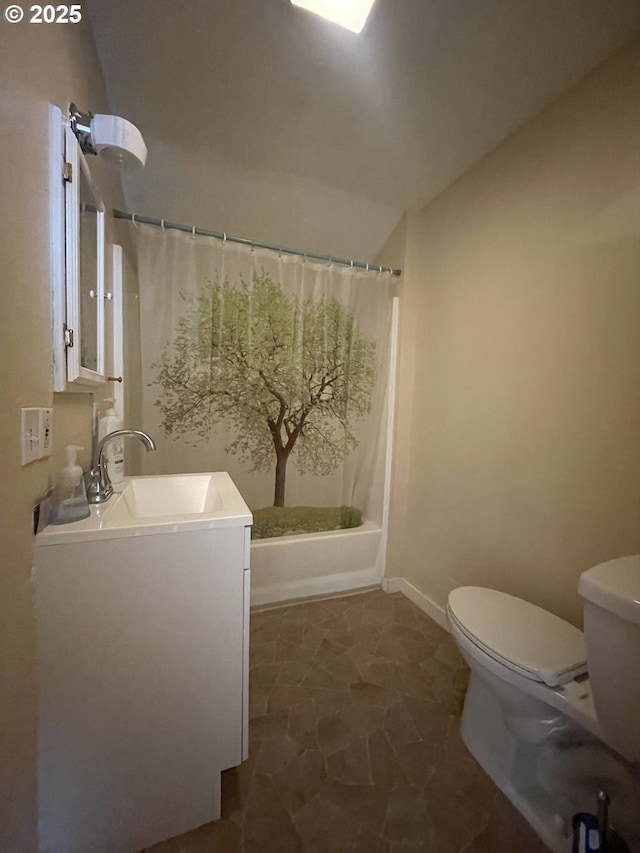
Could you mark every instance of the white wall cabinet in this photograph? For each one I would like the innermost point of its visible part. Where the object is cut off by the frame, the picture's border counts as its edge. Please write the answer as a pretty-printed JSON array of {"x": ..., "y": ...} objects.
[
  {"x": 80, "y": 267},
  {"x": 142, "y": 678}
]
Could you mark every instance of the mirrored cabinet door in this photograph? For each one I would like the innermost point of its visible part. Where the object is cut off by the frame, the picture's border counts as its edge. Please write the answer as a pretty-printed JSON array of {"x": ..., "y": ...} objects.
[
  {"x": 89, "y": 283},
  {"x": 84, "y": 252},
  {"x": 77, "y": 264}
]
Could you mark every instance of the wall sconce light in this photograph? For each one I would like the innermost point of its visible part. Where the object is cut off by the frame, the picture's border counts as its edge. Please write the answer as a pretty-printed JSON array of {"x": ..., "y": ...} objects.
[{"x": 113, "y": 137}]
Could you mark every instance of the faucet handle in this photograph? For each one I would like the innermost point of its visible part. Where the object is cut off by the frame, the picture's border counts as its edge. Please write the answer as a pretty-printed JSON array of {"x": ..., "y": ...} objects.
[{"x": 95, "y": 486}]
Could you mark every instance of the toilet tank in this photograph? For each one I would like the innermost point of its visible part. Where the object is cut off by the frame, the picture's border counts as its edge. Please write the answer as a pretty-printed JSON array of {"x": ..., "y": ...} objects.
[{"x": 611, "y": 593}]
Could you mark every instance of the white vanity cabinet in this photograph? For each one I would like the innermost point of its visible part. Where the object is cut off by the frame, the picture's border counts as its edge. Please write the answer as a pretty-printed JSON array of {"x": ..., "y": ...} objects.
[{"x": 142, "y": 675}]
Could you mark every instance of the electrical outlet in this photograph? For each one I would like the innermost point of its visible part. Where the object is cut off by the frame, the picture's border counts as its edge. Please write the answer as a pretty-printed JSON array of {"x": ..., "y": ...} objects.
[{"x": 45, "y": 427}]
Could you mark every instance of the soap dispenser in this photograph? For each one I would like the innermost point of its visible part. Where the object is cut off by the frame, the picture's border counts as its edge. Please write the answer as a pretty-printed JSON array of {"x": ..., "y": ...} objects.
[{"x": 70, "y": 502}]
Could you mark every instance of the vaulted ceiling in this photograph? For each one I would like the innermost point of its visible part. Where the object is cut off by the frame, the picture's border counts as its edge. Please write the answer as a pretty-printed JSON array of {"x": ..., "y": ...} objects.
[{"x": 264, "y": 120}]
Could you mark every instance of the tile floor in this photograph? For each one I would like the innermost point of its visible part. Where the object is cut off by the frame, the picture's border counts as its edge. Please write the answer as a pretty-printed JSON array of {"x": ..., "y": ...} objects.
[{"x": 354, "y": 706}]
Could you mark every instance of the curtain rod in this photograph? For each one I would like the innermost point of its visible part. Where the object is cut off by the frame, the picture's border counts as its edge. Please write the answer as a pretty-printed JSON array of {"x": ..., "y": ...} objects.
[{"x": 202, "y": 232}]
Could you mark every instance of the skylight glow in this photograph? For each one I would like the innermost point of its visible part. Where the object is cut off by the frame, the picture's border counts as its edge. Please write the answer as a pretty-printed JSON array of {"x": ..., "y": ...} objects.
[{"x": 351, "y": 14}]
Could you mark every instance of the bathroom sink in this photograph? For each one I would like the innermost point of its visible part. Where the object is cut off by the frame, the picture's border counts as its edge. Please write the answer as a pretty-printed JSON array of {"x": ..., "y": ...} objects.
[
  {"x": 157, "y": 504},
  {"x": 174, "y": 495}
]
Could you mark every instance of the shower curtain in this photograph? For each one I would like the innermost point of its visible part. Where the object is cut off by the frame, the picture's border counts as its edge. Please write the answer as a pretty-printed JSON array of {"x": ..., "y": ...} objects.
[{"x": 266, "y": 365}]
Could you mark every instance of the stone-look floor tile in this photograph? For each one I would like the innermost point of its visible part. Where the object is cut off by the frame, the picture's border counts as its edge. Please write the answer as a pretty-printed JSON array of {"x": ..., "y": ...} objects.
[
  {"x": 412, "y": 847},
  {"x": 365, "y": 804},
  {"x": 272, "y": 724},
  {"x": 354, "y": 741},
  {"x": 386, "y": 772},
  {"x": 455, "y": 770},
  {"x": 378, "y": 600},
  {"x": 407, "y": 818},
  {"x": 354, "y": 615},
  {"x": 334, "y": 733},
  {"x": 258, "y": 703},
  {"x": 260, "y": 653},
  {"x": 372, "y": 694},
  {"x": 275, "y": 753},
  {"x": 430, "y": 718},
  {"x": 295, "y": 613},
  {"x": 418, "y": 682},
  {"x": 361, "y": 655},
  {"x": 410, "y": 634},
  {"x": 324, "y": 826},
  {"x": 320, "y": 677},
  {"x": 302, "y": 725},
  {"x": 236, "y": 783},
  {"x": 449, "y": 655},
  {"x": 293, "y": 673},
  {"x": 506, "y": 831},
  {"x": 350, "y": 765},
  {"x": 312, "y": 637},
  {"x": 326, "y": 651},
  {"x": 286, "y": 695},
  {"x": 404, "y": 612},
  {"x": 262, "y": 678},
  {"x": 267, "y": 825},
  {"x": 344, "y": 669},
  {"x": 286, "y": 651},
  {"x": 335, "y": 624},
  {"x": 363, "y": 719},
  {"x": 375, "y": 617},
  {"x": 368, "y": 841},
  {"x": 264, "y": 631},
  {"x": 416, "y": 761},
  {"x": 384, "y": 673},
  {"x": 367, "y": 636},
  {"x": 300, "y": 780},
  {"x": 327, "y": 702},
  {"x": 454, "y": 819},
  {"x": 292, "y": 632}
]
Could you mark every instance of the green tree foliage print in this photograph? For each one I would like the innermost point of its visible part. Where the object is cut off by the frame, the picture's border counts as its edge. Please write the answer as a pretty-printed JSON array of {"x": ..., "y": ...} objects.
[{"x": 288, "y": 377}]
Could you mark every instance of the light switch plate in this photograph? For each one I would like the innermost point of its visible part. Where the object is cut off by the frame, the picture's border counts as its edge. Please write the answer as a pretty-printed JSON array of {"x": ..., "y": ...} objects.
[
  {"x": 36, "y": 433},
  {"x": 29, "y": 435}
]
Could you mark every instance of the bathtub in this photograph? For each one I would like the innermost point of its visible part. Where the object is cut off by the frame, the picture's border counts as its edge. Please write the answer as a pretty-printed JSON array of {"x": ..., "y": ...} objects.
[{"x": 316, "y": 564}]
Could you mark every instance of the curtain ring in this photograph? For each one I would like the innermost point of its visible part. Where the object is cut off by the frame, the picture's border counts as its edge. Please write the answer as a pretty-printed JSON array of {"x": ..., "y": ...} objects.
[
  {"x": 367, "y": 268},
  {"x": 193, "y": 230},
  {"x": 224, "y": 236},
  {"x": 133, "y": 219},
  {"x": 162, "y": 224}
]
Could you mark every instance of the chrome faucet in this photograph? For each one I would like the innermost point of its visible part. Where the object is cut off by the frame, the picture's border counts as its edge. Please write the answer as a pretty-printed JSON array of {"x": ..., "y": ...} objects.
[{"x": 100, "y": 487}]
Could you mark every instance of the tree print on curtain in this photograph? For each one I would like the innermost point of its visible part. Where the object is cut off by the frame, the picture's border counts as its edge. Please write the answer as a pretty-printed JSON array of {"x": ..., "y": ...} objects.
[{"x": 288, "y": 377}]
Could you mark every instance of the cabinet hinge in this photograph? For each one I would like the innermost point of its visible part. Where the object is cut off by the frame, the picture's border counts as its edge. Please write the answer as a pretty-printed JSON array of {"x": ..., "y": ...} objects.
[
  {"x": 67, "y": 172},
  {"x": 68, "y": 337}
]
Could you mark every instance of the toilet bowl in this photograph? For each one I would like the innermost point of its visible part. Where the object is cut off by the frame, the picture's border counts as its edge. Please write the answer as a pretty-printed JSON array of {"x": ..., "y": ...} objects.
[{"x": 546, "y": 702}]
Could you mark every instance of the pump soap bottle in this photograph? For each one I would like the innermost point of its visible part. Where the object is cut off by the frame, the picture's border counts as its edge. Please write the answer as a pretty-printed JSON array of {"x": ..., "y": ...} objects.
[
  {"x": 114, "y": 452},
  {"x": 70, "y": 502}
]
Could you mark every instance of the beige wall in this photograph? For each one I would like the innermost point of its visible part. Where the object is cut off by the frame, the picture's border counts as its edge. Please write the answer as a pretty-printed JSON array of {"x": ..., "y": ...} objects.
[
  {"x": 518, "y": 432},
  {"x": 39, "y": 65}
]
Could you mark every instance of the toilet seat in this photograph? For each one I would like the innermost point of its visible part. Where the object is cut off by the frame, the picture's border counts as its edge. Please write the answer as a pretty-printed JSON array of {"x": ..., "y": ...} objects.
[{"x": 522, "y": 637}]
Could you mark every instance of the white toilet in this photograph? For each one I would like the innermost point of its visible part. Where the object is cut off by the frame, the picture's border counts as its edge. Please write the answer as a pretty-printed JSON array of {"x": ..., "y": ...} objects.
[{"x": 552, "y": 714}]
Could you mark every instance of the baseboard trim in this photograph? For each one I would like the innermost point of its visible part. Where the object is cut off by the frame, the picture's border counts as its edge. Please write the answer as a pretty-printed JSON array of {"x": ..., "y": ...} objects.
[{"x": 420, "y": 599}]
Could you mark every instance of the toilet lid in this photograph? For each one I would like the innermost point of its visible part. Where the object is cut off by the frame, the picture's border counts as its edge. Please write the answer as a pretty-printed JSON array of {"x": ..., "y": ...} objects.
[{"x": 523, "y": 637}]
